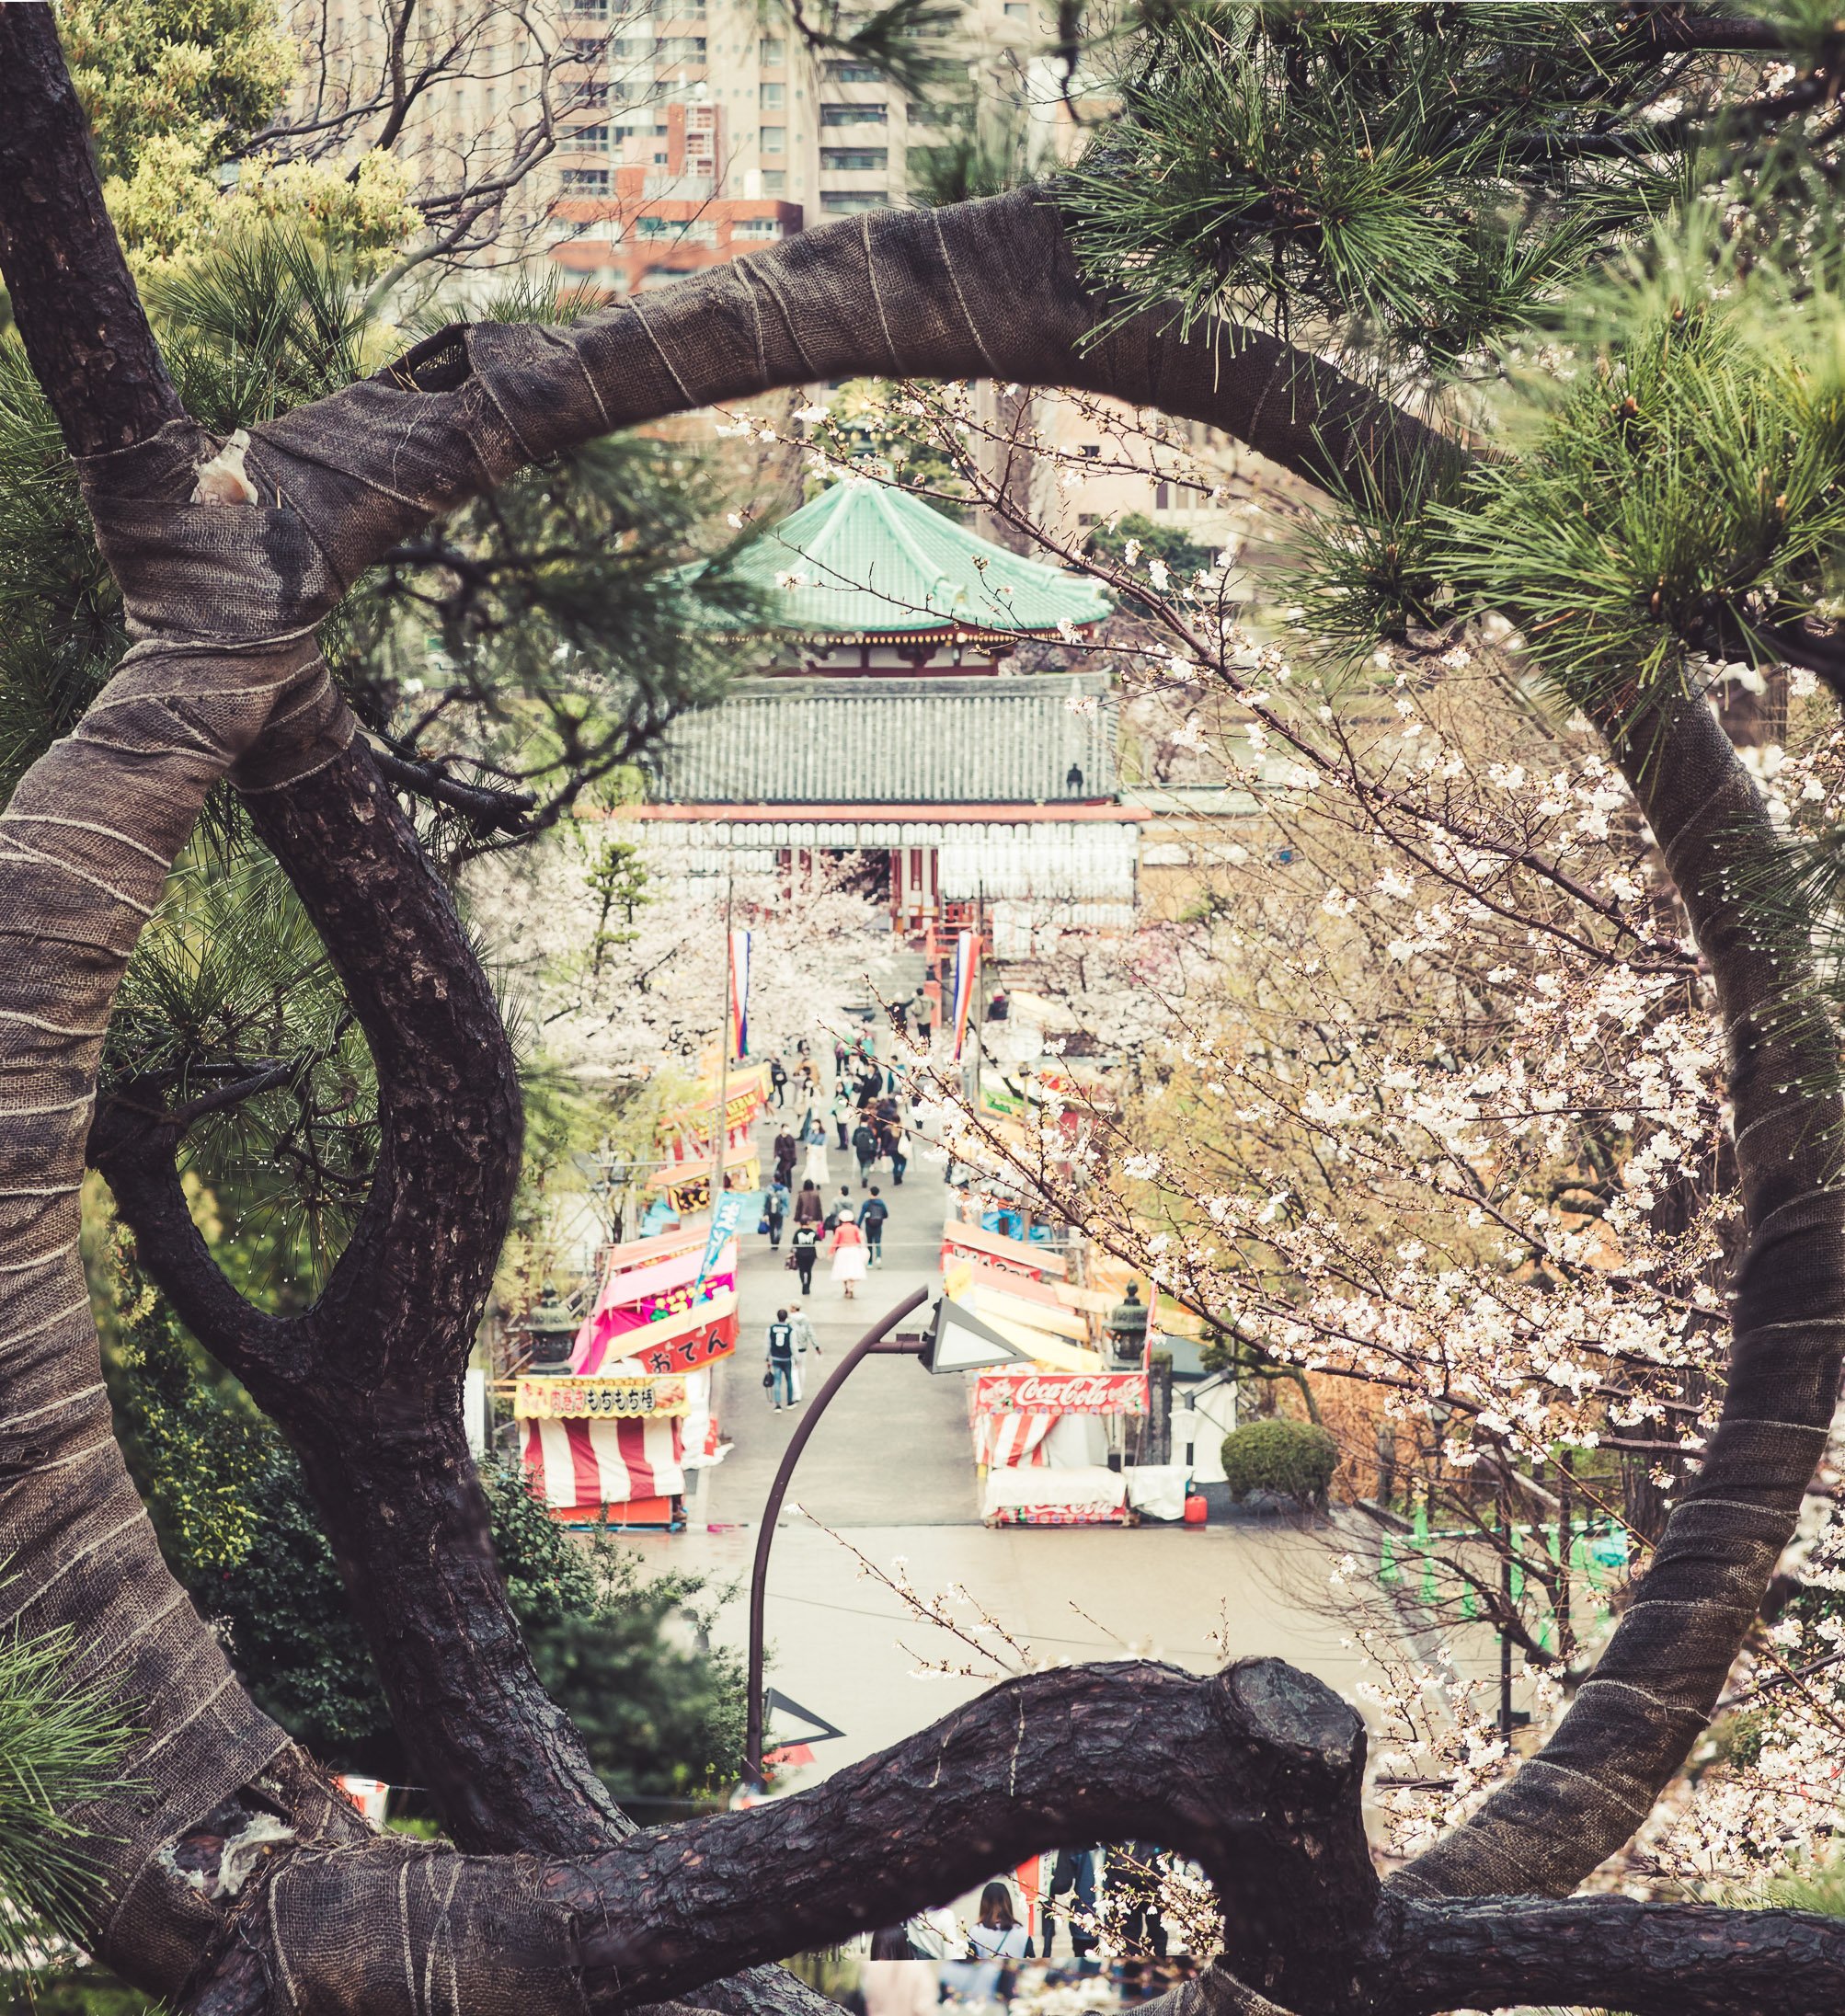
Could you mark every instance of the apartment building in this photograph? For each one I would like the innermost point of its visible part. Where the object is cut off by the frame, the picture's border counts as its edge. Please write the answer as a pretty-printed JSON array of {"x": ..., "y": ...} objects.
[
  {"x": 641, "y": 139},
  {"x": 704, "y": 128}
]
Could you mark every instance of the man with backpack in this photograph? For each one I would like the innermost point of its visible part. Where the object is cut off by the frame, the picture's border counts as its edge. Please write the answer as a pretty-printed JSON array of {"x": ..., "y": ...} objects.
[
  {"x": 865, "y": 1145},
  {"x": 871, "y": 1218},
  {"x": 781, "y": 1360}
]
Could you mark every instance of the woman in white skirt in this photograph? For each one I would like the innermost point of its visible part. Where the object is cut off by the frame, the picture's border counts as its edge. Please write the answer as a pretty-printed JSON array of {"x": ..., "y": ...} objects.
[
  {"x": 850, "y": 1258},
  {"x": 814, "y": 1169}
]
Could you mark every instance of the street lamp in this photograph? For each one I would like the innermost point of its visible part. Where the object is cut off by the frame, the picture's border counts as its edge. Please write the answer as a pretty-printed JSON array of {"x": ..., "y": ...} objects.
[{"x": 957, "y": 1341}]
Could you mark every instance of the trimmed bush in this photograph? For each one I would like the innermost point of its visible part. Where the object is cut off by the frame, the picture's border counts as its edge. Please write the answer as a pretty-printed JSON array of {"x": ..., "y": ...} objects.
[{"x": 1294, "y": 1459}]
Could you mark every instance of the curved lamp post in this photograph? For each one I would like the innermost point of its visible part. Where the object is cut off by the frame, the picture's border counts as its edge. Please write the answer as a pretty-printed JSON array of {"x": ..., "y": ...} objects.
[{"x": 956, "y": 1342}]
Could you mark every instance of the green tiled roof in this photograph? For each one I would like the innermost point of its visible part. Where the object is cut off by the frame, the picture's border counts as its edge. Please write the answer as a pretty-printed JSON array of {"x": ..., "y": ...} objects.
[{"x": 864, "y": 559}]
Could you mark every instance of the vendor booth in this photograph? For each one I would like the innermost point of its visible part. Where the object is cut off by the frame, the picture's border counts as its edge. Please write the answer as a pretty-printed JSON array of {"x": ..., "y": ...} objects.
[
  {"x": 1042, "y": 1436},
  {"x": 1061, "y": 1439},
  {"x": 613, "y": 1438},
  {"x": 686, "y": 1143}
]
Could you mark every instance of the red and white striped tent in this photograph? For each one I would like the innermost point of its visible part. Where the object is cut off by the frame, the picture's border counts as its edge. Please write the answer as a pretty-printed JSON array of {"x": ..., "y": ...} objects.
[{"x": 632, "y": 1467}]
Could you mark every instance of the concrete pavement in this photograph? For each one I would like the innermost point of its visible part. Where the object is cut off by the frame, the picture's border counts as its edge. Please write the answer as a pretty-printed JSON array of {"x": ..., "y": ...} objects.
[{"x": 889, "y": 1476}]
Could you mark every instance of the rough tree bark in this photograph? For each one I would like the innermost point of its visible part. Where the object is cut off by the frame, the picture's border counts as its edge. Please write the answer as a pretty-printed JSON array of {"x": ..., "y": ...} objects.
[{"x": 229, "y": 1879}]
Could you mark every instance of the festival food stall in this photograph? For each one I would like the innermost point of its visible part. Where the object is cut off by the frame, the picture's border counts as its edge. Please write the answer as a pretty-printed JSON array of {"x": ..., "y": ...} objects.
[
  {"x": 615, "y": 1437},
  {"x": 684, "y": 1137},
  {"x": 1054, "y": 1437},
  {"x": 1040, "y": 1433}
]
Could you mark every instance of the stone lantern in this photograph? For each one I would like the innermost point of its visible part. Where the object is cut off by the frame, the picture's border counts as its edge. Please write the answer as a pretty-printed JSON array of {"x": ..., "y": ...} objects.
[
  {"x": 553, "y": 1331},
  {"x": 1127, "y": 1326}
]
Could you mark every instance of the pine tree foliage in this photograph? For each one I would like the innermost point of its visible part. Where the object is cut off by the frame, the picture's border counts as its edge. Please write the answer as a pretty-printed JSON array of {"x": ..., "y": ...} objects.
[
  {"x": 538, "y": 641},
  {"x": 59, "y": 1745},
  {"x": 1409, "y": 177}
]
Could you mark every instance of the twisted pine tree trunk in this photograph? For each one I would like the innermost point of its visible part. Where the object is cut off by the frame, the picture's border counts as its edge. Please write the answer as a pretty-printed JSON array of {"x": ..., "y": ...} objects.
[{"x": 229, "y": 1878}]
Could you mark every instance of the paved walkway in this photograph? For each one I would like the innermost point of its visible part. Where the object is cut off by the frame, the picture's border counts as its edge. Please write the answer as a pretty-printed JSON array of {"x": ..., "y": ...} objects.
[
  {"x": 893, "y": 1448},
  {"x": 889, "y": 1478}
]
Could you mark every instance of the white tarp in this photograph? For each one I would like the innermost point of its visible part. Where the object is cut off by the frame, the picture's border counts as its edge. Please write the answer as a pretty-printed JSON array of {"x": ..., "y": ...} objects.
[
  {"x": 1158, "y": 1490},
  {"x": 1008, "y": 1490}
]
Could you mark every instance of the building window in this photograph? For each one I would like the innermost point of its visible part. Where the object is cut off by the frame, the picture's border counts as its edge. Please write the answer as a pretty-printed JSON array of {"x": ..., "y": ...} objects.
[
  {"x": 851, "y": 73},
  {"x": 583, "y": 48},
  {"x": 772, "y": 50},
  {"x": 756, "y": 227},
  {"x": 772, "y": 97},
  {"x": 849, "y": 202},
  {"x": 589, "y": 94},
  {"x": 678, "y": 49},
  {"x": 1018, "y": 10},
  {"x": 1163, "y": 496},
  {"x": 1092, "y": 450},
  {"x": 660, "y": 160},
  {"x": 598, "y": 10},
  {"x": 854, "y": 115},
  {"x": 775, "y": 182},
  {"x": 772, "y": 139},
  {"x": 855, "y": 157},
  {"x": 1086, "y": 517},
  {"x": 631, "y": 48},
  {"x": 585, "y": 181},
  {"x": 587, "y": 139}
]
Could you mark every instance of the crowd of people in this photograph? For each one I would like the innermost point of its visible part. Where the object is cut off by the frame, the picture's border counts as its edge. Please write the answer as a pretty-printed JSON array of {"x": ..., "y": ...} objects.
[
  {"x": 863, "y": 1116},
  {"x": 932, "y": 1960}
]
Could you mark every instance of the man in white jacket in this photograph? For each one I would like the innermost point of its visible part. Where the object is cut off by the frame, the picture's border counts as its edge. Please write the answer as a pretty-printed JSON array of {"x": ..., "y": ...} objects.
[{"x": 805, "y": 1341}]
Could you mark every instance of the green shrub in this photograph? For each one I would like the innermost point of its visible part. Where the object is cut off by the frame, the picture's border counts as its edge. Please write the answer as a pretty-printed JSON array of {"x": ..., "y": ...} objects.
[{"x": 1293, "y": 1458}]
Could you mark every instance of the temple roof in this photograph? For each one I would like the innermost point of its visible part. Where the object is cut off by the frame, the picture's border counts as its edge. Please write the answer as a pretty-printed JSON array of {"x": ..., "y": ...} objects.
[
  {"x": 921, "y": 740},
  {"x": 865, "y": 560}
]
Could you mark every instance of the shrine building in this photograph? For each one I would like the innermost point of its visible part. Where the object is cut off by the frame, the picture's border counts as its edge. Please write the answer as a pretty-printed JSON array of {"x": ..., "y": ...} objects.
[{"x": 893, "y": 726}]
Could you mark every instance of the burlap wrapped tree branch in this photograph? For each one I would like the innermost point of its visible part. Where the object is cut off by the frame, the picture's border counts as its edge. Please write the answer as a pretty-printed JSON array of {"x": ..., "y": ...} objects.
[{"x": 230, "y": 1877}]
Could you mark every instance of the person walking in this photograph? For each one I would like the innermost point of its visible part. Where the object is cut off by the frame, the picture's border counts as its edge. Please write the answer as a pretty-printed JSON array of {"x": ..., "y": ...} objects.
[
  {"x": 1073, "y": 1875},
  {"x": 815, "y": 1167},
  {"x": 787, "y": 1149},
  {"x": 840, "y": 1112},
  {"x": 871, "y": 1219},
  {"x": 865, "y": 1145},
  {"x": 842, "y": 1206},
  {"x": 996, "y": 1945},
  {"x": 778, "y": 1081},
  {"x": 897, "y": 1980},
  {"x": 804, "y": 1250},
  {"x": 808, "y": 1208},
  {"x": 780, "y": 1360},
  {"x": 890, "y": 1139},
  {"x": 850, "y": 1259},
  {"x": 805, "y": 1341},
  {"x": 775, "y": 1204}
]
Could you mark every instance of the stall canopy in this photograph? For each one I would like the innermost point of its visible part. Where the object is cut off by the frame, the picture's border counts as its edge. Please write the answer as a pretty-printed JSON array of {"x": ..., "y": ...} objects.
[
  {"x": 659, "y": 1301},
  {"x": 963, "y": 1242}
]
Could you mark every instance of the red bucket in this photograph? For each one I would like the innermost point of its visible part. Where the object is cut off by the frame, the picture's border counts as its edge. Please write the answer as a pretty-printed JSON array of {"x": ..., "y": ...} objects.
[{"x": 1194, "y": 1509}]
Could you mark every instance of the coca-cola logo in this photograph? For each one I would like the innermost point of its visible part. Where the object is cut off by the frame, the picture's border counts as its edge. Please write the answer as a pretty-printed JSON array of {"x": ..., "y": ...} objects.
[{"x": 1064, "y": 1393}]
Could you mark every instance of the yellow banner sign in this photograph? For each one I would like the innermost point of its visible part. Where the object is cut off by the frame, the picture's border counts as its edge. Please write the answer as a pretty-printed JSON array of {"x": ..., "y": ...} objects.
[{"x": 598, "y": 1399}]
